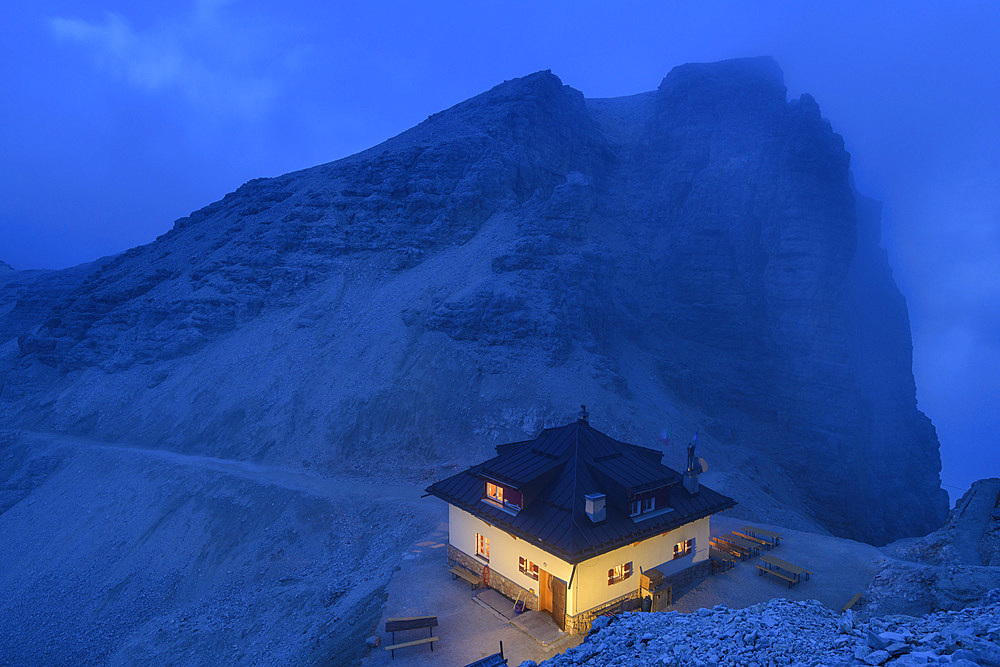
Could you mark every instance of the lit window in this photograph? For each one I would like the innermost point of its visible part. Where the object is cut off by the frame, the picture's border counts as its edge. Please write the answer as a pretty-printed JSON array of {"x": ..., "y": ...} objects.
[
  {"x": 483, "y": 547},
  {"x": 494, "y": 492},
  {"x": 503, "y": 498},
  {"x": 527, "y": 567},
  {"x": 619, "y": 573},
  {"x": 682, "y": 549}
]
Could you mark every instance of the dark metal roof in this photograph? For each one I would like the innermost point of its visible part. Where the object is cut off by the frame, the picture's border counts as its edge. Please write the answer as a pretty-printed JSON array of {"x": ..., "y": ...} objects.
[{"x": 561, "y": 466}]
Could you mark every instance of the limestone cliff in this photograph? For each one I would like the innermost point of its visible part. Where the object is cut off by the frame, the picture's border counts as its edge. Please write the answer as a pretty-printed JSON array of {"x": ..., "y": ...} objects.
[{"x": 693, "y": 257}]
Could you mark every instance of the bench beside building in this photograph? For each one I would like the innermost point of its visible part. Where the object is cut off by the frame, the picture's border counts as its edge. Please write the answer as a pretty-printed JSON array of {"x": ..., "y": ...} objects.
[{"x": 567, "y": 522}]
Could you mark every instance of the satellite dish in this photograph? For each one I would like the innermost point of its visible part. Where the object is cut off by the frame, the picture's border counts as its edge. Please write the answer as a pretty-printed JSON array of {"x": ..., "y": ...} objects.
[{"x": 703, "y": 464}]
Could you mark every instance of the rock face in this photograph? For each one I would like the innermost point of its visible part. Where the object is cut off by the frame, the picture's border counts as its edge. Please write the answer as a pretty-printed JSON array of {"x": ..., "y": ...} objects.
[
  {"x": 955, "y": 566},
  {"x": 693, "y": 257},
  {"x": 781, "y": 632}
]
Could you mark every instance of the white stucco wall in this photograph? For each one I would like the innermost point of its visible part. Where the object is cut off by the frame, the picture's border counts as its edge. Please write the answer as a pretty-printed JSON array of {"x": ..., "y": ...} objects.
[
  {"x": 590, "y": 582},
  {"x": 505, "y": 549}
]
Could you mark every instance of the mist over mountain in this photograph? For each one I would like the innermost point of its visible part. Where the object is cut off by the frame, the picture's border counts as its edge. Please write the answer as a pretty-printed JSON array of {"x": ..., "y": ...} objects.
[{"x": 691, "y": 259}]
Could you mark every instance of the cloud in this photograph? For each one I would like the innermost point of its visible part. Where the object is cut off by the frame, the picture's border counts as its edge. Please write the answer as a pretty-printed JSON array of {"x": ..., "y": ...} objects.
[{"x": 211, "y": 63}]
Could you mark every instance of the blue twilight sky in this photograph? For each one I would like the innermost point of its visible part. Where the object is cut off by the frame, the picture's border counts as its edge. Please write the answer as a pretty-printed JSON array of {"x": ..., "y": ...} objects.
[{"x": 118, "y": 117}]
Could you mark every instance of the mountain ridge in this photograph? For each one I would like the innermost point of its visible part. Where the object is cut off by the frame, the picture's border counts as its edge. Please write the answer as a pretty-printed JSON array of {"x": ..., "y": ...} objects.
[{"x": 688, "y": 258}]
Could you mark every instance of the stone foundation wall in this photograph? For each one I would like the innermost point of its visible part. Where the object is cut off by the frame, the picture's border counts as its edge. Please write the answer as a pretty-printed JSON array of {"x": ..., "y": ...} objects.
[
  {"x": 580, "y": 624},
  {"x": 498, "y": 582}
]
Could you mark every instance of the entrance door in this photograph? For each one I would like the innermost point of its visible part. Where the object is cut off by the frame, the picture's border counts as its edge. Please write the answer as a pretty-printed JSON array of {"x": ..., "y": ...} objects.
[
  {"x": 558, "y": 602},
  {"x": 544, "y": 591}
]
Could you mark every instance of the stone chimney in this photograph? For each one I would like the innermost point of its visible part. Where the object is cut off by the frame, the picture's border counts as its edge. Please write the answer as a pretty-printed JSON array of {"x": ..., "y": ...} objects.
[{"x": 596, "y": 510}]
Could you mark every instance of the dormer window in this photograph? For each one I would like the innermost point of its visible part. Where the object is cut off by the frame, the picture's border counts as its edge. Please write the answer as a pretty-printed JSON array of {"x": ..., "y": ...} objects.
[
  {"x": 494, "y": 492},
  {"x": 503, "y": 497},
  {"x": 642, "y": 505}
]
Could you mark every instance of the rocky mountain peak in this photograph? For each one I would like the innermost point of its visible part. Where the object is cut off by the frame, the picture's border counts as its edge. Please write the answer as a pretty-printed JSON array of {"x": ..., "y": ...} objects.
[
  {"x": 695, "y": 257},
  {"x": 760, "y": 77}
]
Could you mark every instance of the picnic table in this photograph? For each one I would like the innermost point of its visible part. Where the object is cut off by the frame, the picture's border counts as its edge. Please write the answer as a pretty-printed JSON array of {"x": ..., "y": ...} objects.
[
  {"x": 773, "y": 537},
  {"x": 731, "y": 549},
  {"x": 722, "y": 560},
  {"x": 749, "y": 545},
  {"x": 395, "y": 625},
  {"x": 745, "y": 547},
  {"x": 791, "y": 568},
  {"x": 756, "y": 540}
]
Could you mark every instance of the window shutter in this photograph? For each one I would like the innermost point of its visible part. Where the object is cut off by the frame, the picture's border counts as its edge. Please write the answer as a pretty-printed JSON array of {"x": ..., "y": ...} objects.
[
  {"x": 628, "y": 569},
  {"x": 611, "y": 576}
]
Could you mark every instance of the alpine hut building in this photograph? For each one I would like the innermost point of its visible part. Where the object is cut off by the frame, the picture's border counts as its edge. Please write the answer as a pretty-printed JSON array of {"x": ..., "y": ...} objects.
[{"x": 570, "y": 521}]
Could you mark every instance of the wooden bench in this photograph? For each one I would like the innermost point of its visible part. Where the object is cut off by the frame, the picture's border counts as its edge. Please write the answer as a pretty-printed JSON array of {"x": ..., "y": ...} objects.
[
  {"x": 791, "y": 580},
  {"x": 416, "y": 642},
  {"x": 723, "y": 544},
  {"x": 756, "y": 540},
  {"x": 395, "y": 625},
  {"x": 773, "y": 537},
  {"x": 852, "y": 601},
  {"x": 473, "y": 579},
  {"x": 721, "y": 560},
  {"x": 795, "y": 570}
]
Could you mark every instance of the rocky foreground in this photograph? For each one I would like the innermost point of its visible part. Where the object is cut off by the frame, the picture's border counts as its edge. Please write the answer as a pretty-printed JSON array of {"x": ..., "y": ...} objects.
[{"x": 782, "y": 632}]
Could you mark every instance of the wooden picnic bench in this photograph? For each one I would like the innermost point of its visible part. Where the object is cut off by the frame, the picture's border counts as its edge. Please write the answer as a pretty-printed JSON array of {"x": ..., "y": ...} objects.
[
  {"x": 756, "y": 540},
  {"x": 473, "y": 579},
  {"x": 415, "y": 642},
  {"x": 791, "y": 568},
  {"x": 749, "y": 545},
  {"x": 721, "y": 560},
  {"x": 761, "y": 569},
  {"x": 395, "y": 625},
  {"x": 770, "y": 535},
  {"x": 730, "y": 543},
  {"x": 731, "y": 549},
  {"x": 852, "y": 601}
]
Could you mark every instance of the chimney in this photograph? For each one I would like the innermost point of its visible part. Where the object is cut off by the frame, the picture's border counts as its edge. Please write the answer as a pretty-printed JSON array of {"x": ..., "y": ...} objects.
[
  {"x": 595, "y": 507},
  {"x": 691, "y": 481},
  {"x": 583, "y": 413},
  {"x": 694, "y": 468}
]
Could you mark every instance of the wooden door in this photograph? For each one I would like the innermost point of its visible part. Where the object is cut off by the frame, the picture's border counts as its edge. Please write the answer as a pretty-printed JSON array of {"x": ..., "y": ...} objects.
[
  {"x": 544, "y": 590},
  {"x": 558, "y": 601}
]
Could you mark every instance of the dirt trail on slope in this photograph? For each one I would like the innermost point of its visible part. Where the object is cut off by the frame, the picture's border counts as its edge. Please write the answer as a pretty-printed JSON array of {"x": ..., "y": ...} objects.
[
  {"x": 120, "y": 554},
  {"x": 329, "y": 487}
]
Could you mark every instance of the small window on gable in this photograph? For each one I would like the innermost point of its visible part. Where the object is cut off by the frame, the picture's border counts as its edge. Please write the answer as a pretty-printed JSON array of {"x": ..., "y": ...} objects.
[
  {"x": 483, "y": 547},
  {"x": 619, "y": 573},
  {"x": 527, "y": 567},
  {"x": 682, "y": 549}
]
